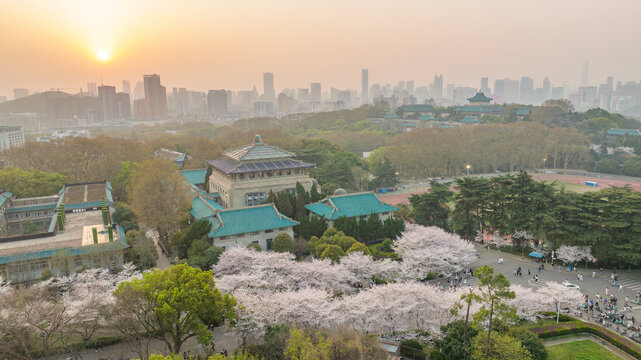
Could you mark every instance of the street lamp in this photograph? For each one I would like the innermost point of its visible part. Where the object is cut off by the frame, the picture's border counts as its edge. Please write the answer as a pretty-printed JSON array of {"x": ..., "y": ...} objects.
[
  {"x": 545, "y": 164},
  {"x": 468, "y": 169}
]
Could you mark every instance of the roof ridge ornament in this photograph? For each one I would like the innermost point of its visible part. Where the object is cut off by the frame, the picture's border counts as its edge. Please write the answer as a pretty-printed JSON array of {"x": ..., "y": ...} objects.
[{"x": 257, "y": 139}]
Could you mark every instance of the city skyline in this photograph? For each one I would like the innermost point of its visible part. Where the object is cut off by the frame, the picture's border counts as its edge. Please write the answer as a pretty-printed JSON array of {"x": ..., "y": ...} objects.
[{"x": 203, "y": 45}]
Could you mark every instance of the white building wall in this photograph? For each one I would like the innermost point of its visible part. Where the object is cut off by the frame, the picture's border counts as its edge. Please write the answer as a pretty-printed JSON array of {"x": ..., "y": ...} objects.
[{"x": 261, "y": 238}]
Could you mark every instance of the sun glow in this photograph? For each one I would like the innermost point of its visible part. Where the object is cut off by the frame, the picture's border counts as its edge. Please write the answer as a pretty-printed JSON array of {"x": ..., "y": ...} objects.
[{"x": 103, "y": 55}]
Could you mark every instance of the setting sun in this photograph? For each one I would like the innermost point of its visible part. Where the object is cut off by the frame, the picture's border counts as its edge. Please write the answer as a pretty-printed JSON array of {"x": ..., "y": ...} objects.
[{"x": 103, "y": 55}]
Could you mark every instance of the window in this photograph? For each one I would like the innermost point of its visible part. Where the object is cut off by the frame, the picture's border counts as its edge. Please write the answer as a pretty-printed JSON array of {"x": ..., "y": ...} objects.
[
  {"x": 385, "y": 214},
  {"x": 241, "y": 176},
  {"x": 255, "y": 233},
  {"x": 282, "y": 229},
  {"x": 269, "y": 231},
  {"x": 224, "y": 237},
  {"x": 240, "y": 235},
  {"x": 269, "y": 243},
  {"x": 252, "y": 199}
]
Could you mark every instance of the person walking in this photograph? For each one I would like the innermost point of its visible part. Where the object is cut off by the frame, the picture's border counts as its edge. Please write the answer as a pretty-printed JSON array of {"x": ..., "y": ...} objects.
[
  {"x": 607, "y": 291},
  {"x": 620, "y": 288},
  {"x": 593, "y": 273}
]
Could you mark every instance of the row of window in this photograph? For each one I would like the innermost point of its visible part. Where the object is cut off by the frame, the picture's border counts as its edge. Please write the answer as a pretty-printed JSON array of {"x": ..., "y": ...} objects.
[
  {"x": 268, "y": 231},
  {"x": 24, "y": 202},
  {"x": 270, "y": 173},
  {"x": 30, "y": 214}
]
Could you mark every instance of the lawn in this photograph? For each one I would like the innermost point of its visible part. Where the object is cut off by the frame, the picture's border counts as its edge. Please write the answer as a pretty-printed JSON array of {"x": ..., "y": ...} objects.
[
  {"x": 570, "y": 187},
  {"x": 580, "y": 350}
]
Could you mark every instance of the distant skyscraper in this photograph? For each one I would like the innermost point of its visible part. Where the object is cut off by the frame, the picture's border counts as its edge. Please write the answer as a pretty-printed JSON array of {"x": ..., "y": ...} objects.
[
  {"x": 126, "y": 87},
  {"x": 437, "y": 87},
  {"x": 499, "y": 90},
  {"x": 526, "y": 90},
  {"x": 365, "y": 86},
  {"x": 3, "y": 99},
  {"x": 217, "y": 103},
  {"x": 485, "y": 87},
  {"x": 123, "y": 103},
  {"x": 268, "y": 86},
  {"x": 155, "y": 97},
  {"x": 19, "y": 93},
  {"x": 556, "y": 92},
  {"x": 315, "y": 92},
  {"x": 92, "y": 89},
  {"x": 409, "y": 86},
  {"x": 108, "y": 103},
  {"x": 585, "y": 74}
]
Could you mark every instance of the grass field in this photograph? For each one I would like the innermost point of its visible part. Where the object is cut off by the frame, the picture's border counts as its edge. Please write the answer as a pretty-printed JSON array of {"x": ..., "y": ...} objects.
[
  {"x": 578, "y": 188},
  {"x": 580, "y": 350}
]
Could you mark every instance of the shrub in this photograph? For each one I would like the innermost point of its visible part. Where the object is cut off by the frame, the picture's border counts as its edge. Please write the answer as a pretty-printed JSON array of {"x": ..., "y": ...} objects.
[
  {"x": 436, "y": 355},
  {"x": 531, "y": 342},
  {"x": 387, "y": 245},
  {"x": 300, "y": 247},
  {"x": 254, "y": 246},
  {"x": 412, "y": 349},
  {"x": 333, "y": 252},
  {"x": 358, "y": 247},
  {"x": 283, "y": 243}
]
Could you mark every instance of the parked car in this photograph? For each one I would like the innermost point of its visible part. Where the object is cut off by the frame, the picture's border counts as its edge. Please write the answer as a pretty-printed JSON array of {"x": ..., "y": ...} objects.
[{"x": 569, "y": 285}]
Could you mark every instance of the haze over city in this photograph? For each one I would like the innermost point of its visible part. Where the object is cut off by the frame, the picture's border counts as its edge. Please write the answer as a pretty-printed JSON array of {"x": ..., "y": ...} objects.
[{"x": 205, "y": 44}]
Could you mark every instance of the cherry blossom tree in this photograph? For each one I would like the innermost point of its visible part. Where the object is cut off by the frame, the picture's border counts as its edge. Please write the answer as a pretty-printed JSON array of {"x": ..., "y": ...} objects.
[
  {"x": 561, "y": 296},
  {"x": 574, "y": 254},
  {"x": 430, "y": 250}
]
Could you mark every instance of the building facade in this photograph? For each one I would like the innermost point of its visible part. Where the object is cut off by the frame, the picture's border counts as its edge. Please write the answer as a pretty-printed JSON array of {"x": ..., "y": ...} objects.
[
  {"x": 10, "y": 137},
  {"x": 359, "y": 205},
  {"x": 245, "y": 175}
]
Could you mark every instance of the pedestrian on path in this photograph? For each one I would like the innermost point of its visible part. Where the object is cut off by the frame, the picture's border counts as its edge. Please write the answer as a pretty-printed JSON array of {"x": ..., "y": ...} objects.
[
  {"x": 593, "y": 273},
  {"x": 620, "y": 288},
  {"x": 607, "y": 291}
]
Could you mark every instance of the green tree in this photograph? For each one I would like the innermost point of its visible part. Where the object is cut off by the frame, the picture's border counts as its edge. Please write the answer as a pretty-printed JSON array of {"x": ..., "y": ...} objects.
[
  {"x": 123, "y": 179},
  {"x": 432, "y": 208},
  {"x": 141, "y": 251},
  {"x": 28, "y": 227},
  {"x": 175, "y": 304},
  {"x": 385, "y": 174},
  {"x": 122, "y": 213},
  {"x": 332, "y": 252},
  {"x": 360, "y": 247},
  {"x": 210, "y": 169},
  {"x": 183, "y": 240},
  {"x": 531, "y": 342},
  {"x": 494, "y": 290},
  {"x": 314, "y": 194},
  {"x": 255, "y": 246},
  {"x": 307, "y": 346},
  {"x": 500, "y": 347},
  {"x": 283, "y": 243},
  {"x": 453, "y": 344},
  {"x": 30, "y": 183}
]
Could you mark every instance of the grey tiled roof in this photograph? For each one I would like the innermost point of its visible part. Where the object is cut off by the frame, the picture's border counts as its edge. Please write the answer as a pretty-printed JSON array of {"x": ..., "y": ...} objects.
[
  {"x": 257, "y": 151},
  {"x": 229, "y": 166}
]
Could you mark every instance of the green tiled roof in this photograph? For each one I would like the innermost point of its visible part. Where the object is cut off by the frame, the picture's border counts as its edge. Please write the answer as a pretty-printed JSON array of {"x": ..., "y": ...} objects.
[
  {"x": 390, "y": 116},
  {"x": 427, "y": 117},
  {"x": 481, "y": 109},
  {"x": 5, "y": 196},
  {"x": 257, "y": 151},
  {"x": 523, "y": 111},
  {"x": 471, "y": 120},
  {"x": 201, "y": 207},
  {"x": 632, "y": 132},
  {"x": 417, "y": 108},
  {"x": 350, "y": 205},
  {"x": 479, "y": 97},
  {"x": 83, "y": 250},
  {"x": 194, "y": 177},
  {"x": 19, "y": 209},
  {"x": 247, "y": 220}
]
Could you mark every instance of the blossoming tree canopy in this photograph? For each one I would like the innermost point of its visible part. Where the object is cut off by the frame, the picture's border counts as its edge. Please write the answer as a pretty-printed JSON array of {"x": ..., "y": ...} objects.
[
  {"x": 574, "y": 254},
  {"x": 430, "y": 250}
]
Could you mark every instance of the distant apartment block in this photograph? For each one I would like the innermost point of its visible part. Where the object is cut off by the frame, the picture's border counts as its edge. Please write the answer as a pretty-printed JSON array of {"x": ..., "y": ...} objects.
[{"x": 10, "y": 137}]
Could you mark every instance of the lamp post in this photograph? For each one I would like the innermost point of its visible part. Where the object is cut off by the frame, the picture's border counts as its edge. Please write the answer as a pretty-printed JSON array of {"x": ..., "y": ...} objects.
[
  {"x": 467, "y": 167},
  {"x": 545, "y": 164}
]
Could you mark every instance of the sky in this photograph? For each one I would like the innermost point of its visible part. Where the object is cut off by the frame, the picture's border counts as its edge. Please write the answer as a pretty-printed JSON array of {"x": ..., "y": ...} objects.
[{"x": 214, "y": 44}]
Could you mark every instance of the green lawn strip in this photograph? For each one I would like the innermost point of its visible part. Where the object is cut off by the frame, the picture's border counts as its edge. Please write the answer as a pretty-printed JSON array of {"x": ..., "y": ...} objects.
[
  {"x": 381, "y": 254},
  {"x": 577, "y": 327},
  {"x": 580, "y": 350}
]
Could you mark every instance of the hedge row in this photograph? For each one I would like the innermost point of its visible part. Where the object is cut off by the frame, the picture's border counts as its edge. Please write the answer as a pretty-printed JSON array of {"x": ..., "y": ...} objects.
[{"x": 576, "y": 327}]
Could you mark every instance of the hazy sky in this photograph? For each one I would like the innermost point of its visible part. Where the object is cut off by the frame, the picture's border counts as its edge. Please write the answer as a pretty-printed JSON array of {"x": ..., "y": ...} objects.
[{"x": 206, "y": 44}]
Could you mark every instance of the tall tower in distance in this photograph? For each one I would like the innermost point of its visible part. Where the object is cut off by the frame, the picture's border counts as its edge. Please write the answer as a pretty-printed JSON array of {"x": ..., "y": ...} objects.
[
  {"x": 126, "y": 87},
  {"x": 155, "y": 97},
  {"x": 585, "y": 74},
  {"x": 364, "y": 86},
  {"x": 268, "y": 86},
  {"x": 108, "y": 103}
]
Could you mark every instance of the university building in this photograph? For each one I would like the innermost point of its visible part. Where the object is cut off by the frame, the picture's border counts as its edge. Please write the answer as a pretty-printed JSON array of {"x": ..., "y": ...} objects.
[
  {"x": 61, "y": 233},
  {"x": 359, "y": 205},
  {"x": 245, "y": 175}
]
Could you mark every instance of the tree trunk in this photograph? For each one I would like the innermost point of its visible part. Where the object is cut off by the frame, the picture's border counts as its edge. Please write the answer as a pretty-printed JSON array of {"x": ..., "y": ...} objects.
[
  {"x": 489, "y": 330},
  {"x": 558, "y": 310},
  {"x": 465, "y": 340}
]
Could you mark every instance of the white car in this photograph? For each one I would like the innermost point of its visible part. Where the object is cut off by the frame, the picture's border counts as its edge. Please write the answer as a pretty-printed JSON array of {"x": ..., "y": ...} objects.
[{"x": 569, "y": 285}]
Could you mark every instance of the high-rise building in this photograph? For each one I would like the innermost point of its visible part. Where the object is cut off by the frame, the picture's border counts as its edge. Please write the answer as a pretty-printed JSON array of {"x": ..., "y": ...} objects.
[
  {"x": 437, "y": 87},
  {"x": 556, "y": 93},
  {"x": 409, "y": 87},
  {"x": 139, "y": 90},
  {"x": 585, "y": 74},
  {"x": 123, "y": 103},
  {"x": 511, "y": 91},
  {"x": 20, "y": 93},
  {"x": 108, "y": 103},
  {"x": 526, "y": 90},
  {"x": 315, "y": 92},
  {"x": 217, "y": 103},
  {"x": 365, "y": 86},
  {"x": 286, "y": 104},
  {"x": 155, "y": 97},
  {"x": 268, "y": 86},
  {"x": 499, "y": 90},
  {"x": 485, "y": 87},
  {"x": 126, "y": 87},
  {"x": 92, "y": 89},
  {"x": 11, "y": 136}
]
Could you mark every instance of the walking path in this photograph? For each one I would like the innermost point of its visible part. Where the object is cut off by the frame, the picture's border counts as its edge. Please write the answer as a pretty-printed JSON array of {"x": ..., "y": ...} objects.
[
  {"x": 163, "y": 261},
  {"x": 570, "y": 338}
]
